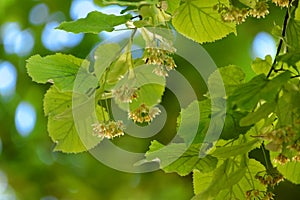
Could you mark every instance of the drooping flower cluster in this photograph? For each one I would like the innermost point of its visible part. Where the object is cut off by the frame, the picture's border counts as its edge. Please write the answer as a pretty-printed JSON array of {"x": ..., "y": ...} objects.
[
  {"x": 261, "y": 9},
  {"x": 108, "y": 129},
  {"x": 144, "y": 114},
  {"x": 281, "y": 3},
  {"x": 234, "y": 14},
  {"x": 256, "y": 194},
  {"x": 160, "y": 57},
  {"x": 270, "y": 179},
  {"x": 125, "y": 93},
  {"x": 239, "y": 15}
]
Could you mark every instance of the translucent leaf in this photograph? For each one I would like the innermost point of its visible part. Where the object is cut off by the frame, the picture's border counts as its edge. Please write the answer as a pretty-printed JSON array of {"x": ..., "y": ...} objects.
[
  {"x": 297, "y": 13},
  {"x": 59, "y": 69},
  {"x": 198, "y": 21},
  {"x": 225, "y": 176},
  {"x": 104, "y": 56},
  {"x": 232, "y": 76},
  {"x": 261, "y": 113},
  {"x": 172, "y": 5},
  {"x": 293, "y": 34},
  {"x": 150, "y": 86},
  {"x": 290, "y": 170},
  {"x": 212, "y": 117},
  {"x": 228, "y": 185},
  {"x": 261, "y": 66},
  {"x": 259, "y": 88},
  {"x": 183, "y": 164},
  {"x": 95, "y": 22},
  {"x": 232, "y": 128},
  {"x": 61, "y": 125},
  {"x": 225, "y": 152},
  {"x": 130, "y": 3},
  {"x": 250, "y": 3}
]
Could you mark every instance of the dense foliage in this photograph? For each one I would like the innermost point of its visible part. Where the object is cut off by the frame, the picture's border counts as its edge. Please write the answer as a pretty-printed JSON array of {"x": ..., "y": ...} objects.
[{"x": 262, "y": 114}]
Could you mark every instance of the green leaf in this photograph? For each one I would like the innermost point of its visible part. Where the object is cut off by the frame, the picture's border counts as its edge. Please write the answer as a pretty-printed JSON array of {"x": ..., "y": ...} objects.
[
  {"x": 288, "y": 104},
  {"x": 61, "y": 125},
  {"x": 232, "y": 128},
  {"x": 230, "y": 186},
  {"x": 131, "y": 2},
  {"x": 104, "y": 56},
  {"x": 172, "y": 5},
  {"x": 261, "y": 113},
  {"x": 290, "y": 171},
  {"x": 231, "y": 77},
  {"x": 259, "y": 88},
  {"x": 150, "y": 86},
  {"x": 293, "y": 34},
  {"x": 198, "y": 21},
  {"x": 225, "y": 176},
  {"x": 225, "y": 152},
  {"x": 95, "y": 22},
  {"x": 212, "y": 114},
  {"x": 175, "y": 157},
  {"x": 261, "y": 66},
  {"x": 250, "y": 3},
  {"x": 297, "y": 13},
  {"x": 291, "y": 58},
  {"x": 59, "y": 69}
]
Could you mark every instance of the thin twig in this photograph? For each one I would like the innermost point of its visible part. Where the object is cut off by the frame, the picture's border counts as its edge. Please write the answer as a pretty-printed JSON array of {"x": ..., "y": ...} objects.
[{"x": 286, "y": 18}]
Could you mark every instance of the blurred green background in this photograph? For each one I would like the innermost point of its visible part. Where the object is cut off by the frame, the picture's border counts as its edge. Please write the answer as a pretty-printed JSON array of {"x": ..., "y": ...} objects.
[{"x": 28, "y": 167}]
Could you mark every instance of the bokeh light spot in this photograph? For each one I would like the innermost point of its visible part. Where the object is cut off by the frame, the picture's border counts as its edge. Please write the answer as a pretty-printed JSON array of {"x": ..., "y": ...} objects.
[
  {"x": 8, "y": 78},
  {"x": 263, "y": 44},
  {"x": 80, "y": 8},
  {"x": 15, "y": 40},
  {"x": 55, "y": 40},
  {"x": 25, "y": 118},
  {"x": 39, "y": 14}
]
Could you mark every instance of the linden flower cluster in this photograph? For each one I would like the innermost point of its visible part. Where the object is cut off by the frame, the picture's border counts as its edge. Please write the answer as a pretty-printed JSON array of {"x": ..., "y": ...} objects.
[
  {"x": 279, "y": 138},
  {"x": 256, "y": 194},
  {"x": 234, "y": 14},
  {"x": 125, "y": 93},
  {"x": 108, "y": 129},
  {"x": 161, "y": 58},
  {"x": 144, "y": 114},
  {"x": 281, "y": 3},
  {"x": 239, "y": 15},
  {"x": 270, "y": 180}
]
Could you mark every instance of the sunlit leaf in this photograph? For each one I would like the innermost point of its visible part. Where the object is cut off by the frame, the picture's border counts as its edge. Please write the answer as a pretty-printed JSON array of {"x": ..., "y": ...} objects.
[
  {"x": 95, "y": 22},
  {"x": 177, "y": 158},
  {"x": 293, "y": 34},
  {"x": 229, "y": 77},
  {"x": 198, "y": 21},
  {"x": 259, "y": 88},
  {"x": 61, "y": 125},
  {"x": 59, "y": 69},
  {"x": 262, "y": 66},
  {"x": 228, "y": 181}
]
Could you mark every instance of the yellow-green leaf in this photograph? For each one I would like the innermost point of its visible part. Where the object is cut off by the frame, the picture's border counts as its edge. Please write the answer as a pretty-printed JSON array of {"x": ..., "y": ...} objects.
[{"x": 197, "y": 20}]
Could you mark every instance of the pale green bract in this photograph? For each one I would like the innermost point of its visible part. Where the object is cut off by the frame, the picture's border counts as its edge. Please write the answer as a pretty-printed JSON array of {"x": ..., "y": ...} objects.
[{"x": 197, "y": 20}]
